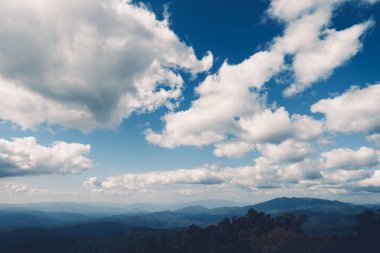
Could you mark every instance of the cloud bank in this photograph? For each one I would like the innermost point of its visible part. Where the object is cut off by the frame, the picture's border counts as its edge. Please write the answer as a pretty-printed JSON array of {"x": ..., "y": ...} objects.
[{"x": 344, "y": 170}]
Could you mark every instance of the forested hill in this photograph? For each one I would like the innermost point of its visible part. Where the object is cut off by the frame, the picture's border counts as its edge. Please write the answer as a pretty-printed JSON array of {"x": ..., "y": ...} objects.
[{"x": 255, "y": 232}]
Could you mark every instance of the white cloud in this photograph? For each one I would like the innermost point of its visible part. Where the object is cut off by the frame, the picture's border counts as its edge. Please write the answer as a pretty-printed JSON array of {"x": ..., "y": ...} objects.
[
  {"x": 375, "y": 138},
  {"x": 261, "y": 127},
  {"x": 345, "y": 176},
  {"x": 345, "y": 158},
  {"x": 356, "y": 110},
  {"x": 287, "y": 151},
  {"x": 222, "y": 97},
  {"x": 24, "y": 156},
  {"x": 232, "y": 149},
  {"x": 305, "y": 127},
  {"x": 27, "y": 108},
  {"x": 339, "y": 171},
  {"x": 303, "y": 170},
  {"x": 15, "y": 187},
  {"x": 303, "y": 31},
  {"x": 287, "y": 11},
  {"x": 320, "y": 58},
  {"x": 231, "y": 107},
  {"x": 373, "y": 181},
  {"x": 263, "y": 174},
  {"x": 88, "y": 64},
  {"x": 267, "y": 126},
  {"x": 92, "y": 182},
  {"x": 317, "y": 50},
  {"x": 207, "y": 175}
]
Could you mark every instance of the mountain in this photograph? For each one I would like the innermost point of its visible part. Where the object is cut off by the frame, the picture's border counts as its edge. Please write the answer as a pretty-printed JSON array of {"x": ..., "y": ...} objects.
[
  {"x": 106, "y": 209},
  {"x": 281, "y": 205},
  {"x": 96, "y": 229},
  {"x": 372, "y": 206},
  {"x": 213, "y": 203},
  {"x": 15, "y": 219},
  {"x": 22, "y": 224},
  {"x": 253, "y": 232},
  {"x": 194, "y": 209},
  {"x": 95, "y": 209},
  {"x": 325, "y": 216}
]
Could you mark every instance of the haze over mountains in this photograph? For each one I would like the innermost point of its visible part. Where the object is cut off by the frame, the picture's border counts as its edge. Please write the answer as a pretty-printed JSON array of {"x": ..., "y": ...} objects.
[
  {"x": 22, "y": 224},
  {"x": 45, "y": 215}
]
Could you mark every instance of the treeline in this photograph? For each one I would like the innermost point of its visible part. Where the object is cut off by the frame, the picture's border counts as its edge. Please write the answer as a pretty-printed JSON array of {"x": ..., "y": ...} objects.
[{"x": 258, "y": 232}]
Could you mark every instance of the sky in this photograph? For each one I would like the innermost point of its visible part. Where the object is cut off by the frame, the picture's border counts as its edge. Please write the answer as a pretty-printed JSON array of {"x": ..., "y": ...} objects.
[{"x": 174, "y": 101}]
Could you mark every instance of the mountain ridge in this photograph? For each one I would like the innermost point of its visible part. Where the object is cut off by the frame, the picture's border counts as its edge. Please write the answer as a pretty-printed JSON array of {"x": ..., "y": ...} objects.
[{"x": 317, "y": 210}]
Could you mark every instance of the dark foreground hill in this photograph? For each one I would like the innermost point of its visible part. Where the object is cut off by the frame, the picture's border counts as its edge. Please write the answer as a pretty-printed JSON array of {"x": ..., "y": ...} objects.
[{"x": 324, "y": 216}]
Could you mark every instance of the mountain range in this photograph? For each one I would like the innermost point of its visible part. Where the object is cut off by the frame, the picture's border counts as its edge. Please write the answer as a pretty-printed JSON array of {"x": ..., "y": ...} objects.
[
  {"x": 46, "y": 215},
  {"x": 28, "y": 223}
]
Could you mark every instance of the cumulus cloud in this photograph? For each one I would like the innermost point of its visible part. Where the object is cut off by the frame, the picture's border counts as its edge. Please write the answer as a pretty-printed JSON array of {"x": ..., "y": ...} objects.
[
  {"x": 138, "y": 181},
  {"x": 287, "y": 151},
  {"x": 88, "y": 64},
  {"x": 267, "y": 126},
  {"x": 232, "y": 149},
  {"x": 316, "y": 49},
  {"x": 346, "y": 176},
  {"x": 305, "y": 127},
  {"x": 263, "y": 174},
  {"x": 302, "y": 170},
  {"x": 350, "y": 170},
  {"x": 24, "y": 156},
  {"x": 223, "y": 97},
  {"x": 320, "y": 58},
  {"x": 287, "y": 165},
  {"x": 232, "y": 108},
  {"x": 286, "y": 11},
  {"x": 373, "y": 181},
  {"x": 356, "y": 110},
  {"x": 375, "y": 138},
  {"x": 345, "y": 158}
]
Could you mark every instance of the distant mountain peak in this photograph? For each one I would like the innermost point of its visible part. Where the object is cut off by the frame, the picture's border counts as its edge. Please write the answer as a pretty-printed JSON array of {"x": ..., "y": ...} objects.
[{"x": 285, "y": 204}]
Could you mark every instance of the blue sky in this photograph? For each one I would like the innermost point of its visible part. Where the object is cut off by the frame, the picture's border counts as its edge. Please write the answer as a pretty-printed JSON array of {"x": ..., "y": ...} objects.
[{"x": 119, "y": 101}]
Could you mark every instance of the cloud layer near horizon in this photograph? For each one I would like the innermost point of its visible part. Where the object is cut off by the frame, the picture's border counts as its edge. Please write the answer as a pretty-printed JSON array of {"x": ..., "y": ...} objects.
[{"x": 337, "y": 169}]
